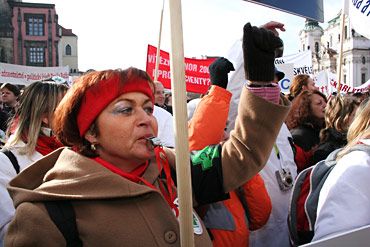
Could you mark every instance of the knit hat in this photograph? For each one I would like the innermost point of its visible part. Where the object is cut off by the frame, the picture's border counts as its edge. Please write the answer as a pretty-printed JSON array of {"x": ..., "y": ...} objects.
[
  {"x": 101, "y": 94},
  {"x": 259, "y": 46}
]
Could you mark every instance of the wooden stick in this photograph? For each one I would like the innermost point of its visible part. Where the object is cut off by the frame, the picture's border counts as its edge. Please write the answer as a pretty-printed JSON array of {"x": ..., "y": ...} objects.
[
  {"x": 181, "y": 126},
  {"x": 158, "y": 46},
  {"x": 339, "y": 66}
]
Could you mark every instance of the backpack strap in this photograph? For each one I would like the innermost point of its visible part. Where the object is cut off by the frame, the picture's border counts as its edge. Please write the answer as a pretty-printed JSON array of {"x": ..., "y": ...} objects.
[
  {"x": 63, "y": 216},
  {"x": 12, "y": 159}
]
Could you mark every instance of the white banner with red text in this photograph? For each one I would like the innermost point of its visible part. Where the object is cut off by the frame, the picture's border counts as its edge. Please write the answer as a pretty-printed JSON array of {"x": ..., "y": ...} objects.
[{"x": 25, "y": 75}]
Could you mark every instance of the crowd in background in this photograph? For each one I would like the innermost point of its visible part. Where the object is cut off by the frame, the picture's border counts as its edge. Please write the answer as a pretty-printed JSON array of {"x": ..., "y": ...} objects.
[{"x": 39, "y": 119}]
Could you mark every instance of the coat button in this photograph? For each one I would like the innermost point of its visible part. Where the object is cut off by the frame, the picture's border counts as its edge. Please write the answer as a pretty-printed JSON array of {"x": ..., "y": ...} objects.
[{"x": 170, "y": 237}]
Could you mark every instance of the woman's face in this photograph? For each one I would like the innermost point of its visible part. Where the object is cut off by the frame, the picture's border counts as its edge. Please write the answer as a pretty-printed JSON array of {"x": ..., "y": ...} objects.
[
  {"x": 318, "y": 105},
  {"x": 310, "y": 85},
  {"x": 123, "y": 127}
]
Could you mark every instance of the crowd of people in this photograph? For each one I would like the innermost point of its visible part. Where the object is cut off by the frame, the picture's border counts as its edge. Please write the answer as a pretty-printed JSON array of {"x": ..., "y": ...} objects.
[{"x": 78, "y": 164}]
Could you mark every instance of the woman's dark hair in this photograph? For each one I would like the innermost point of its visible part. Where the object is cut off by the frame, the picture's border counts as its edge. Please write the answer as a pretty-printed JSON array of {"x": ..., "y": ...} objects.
[
  {"x": 301, "y": 112},
  {"x": 13, "y": 88},
  {"x": 65, "y": 121}
]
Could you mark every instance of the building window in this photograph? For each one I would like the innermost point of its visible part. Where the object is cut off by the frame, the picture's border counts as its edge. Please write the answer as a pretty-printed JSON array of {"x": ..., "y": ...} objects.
[
  {"x": 345, "y": 32},
  {"x": 317, "y": 47},
  {"x": 345, "y": 79},
  {"x": 353, "y": 32},
  {"x": 68, "y": 50},
  {"x": 327, "y": 45},
  {"x": 338, "y": 37},
  {"x": 331, "y": 41},
  {"x": 363, "y": 60},
  {"x": 36, "y": 56},
  {"x": 303, "y": 47},
  {"x": 308, "y": 47},
  {"x": 363, "y": 80},
  {"x": 35, "y": 25},
  {"x": 344, "y": 61}
]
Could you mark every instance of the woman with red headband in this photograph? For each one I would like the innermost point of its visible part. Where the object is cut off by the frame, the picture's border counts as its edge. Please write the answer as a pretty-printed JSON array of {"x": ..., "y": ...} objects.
[{"x": 114, "y": 187}]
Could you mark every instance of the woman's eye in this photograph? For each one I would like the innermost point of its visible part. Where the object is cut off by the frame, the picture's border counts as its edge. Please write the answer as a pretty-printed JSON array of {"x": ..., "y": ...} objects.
[
  {"x": 124, "y": 110},
  {"x": 149, "y": 110}
]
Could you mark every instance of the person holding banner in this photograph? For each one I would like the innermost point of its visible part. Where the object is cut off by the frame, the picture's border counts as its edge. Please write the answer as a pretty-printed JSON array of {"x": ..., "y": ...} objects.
[
  {"x": 31, "y": 138},
  {"x": 117, "y": 172}
]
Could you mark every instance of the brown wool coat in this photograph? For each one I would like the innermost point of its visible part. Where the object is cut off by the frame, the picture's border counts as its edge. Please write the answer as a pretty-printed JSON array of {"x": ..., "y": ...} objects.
[{"x": 112, "y": 211}]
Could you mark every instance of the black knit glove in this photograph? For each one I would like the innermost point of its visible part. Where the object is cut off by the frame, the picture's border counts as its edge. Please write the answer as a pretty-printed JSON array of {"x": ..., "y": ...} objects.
[
  {"x": 219, "y": 70},
  {"x": 259, "y": 47}
]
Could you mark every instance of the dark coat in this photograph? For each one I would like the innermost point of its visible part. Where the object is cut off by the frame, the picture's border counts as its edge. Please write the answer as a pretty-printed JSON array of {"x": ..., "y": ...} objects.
[{"x": 333, "y": 141}]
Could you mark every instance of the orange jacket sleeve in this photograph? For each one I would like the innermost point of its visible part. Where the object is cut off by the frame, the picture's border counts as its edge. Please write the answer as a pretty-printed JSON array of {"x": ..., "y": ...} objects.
[
  {"x": 258, "y": 202},
  {"x": 209, "y": 119}
]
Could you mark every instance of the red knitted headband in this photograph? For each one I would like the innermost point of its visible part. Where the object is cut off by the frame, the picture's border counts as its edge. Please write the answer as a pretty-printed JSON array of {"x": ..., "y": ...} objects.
[{"x": 98, "y": 96}]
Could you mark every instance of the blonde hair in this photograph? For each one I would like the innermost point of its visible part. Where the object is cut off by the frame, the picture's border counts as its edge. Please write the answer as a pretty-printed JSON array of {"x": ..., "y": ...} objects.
[
  {"x": 38, "y": 100},
  {"x": 360, "y": 127},
  {"x": 337, "y": 114}
]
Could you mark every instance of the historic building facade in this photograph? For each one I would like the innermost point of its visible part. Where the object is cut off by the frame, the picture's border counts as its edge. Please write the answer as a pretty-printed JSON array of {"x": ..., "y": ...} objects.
[
  {"x": 31, "y": 35},
  {"x": 68, "y": 50},
  {"x": 325, "y": 45}
]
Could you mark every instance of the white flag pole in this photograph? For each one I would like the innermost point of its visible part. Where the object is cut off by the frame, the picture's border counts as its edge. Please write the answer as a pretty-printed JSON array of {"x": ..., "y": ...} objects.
[
  {"x": 157, "y": 58},
  {"x": 340, "y": 65},
  {"x": 181, "y": 126}
]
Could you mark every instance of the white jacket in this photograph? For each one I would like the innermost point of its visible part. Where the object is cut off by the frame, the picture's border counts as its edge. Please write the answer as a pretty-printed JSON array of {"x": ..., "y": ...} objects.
[
  {"x": 7, "y": 173},
  {"x": 275, "y": 233},
  {"x": 165, "y": 126},
  {"x": 344, "y": 201}
]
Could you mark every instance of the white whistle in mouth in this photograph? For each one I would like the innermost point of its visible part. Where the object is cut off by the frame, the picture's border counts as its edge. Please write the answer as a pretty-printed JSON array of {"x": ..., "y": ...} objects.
[{"x": 155, "y": 141}]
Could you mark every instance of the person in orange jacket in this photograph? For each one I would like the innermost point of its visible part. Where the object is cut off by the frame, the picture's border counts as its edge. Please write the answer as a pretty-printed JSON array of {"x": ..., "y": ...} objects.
[{"x": 249, "y": 207}]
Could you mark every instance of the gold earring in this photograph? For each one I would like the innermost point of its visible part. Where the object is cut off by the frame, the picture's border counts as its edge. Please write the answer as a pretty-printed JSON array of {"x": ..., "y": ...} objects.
[{"x": 93, "y": 146}]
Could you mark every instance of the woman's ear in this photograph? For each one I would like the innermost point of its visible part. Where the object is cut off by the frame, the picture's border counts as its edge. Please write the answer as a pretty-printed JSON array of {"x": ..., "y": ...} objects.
[
  {"x": 90, "y": 137},
  {"x": 45, "y": 121}
]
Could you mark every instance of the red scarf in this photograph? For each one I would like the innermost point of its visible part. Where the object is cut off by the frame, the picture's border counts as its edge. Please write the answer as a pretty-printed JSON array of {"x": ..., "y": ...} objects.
[
  {"x": 46, "y": 144},
  {"x": 136, "y": 176}
]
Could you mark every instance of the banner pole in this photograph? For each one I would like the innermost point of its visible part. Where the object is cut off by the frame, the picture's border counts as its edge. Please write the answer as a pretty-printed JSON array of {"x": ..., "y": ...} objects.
[
  {"x": 181, "y": 126},
  {"x": 157, "y": 57},
  {"x": 339, "y": 66}
]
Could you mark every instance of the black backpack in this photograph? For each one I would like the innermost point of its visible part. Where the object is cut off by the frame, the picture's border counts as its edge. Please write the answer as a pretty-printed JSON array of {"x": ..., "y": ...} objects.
[{"x": 60, "y": 212}]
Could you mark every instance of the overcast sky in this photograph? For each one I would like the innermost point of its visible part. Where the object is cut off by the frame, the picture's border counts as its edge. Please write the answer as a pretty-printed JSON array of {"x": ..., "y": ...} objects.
[{"x": 115, "y": 34}]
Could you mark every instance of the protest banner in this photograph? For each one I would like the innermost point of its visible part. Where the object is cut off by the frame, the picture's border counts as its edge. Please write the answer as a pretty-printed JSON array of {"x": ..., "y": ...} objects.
[
  {"x": 327, "y": 83},
  {"x": 312, "y": 9},
  {"x": 359, "y": 15},
  {"x": 302, "y": 62},
  {"x": 344, "y": 88},
  {"x": 196, "y": 71},
  {"x": 285, "y": 83},
  {"x": 25, "y": 75}
]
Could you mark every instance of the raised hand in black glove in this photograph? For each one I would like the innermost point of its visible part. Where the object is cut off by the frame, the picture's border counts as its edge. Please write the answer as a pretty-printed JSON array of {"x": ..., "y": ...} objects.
[
  {"x": 219, "y": 70},
  {"x": 259, "y": 47}
]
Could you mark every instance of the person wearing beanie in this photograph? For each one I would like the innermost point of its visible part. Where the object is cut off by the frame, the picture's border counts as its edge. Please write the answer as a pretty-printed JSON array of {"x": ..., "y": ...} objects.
[{"x": 117, "y": 180}]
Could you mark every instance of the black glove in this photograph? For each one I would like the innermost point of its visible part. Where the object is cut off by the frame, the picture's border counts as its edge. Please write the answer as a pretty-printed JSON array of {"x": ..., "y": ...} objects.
[
  {"x": 259, "y": 47},
  {"x": 218, "y": 71}
]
